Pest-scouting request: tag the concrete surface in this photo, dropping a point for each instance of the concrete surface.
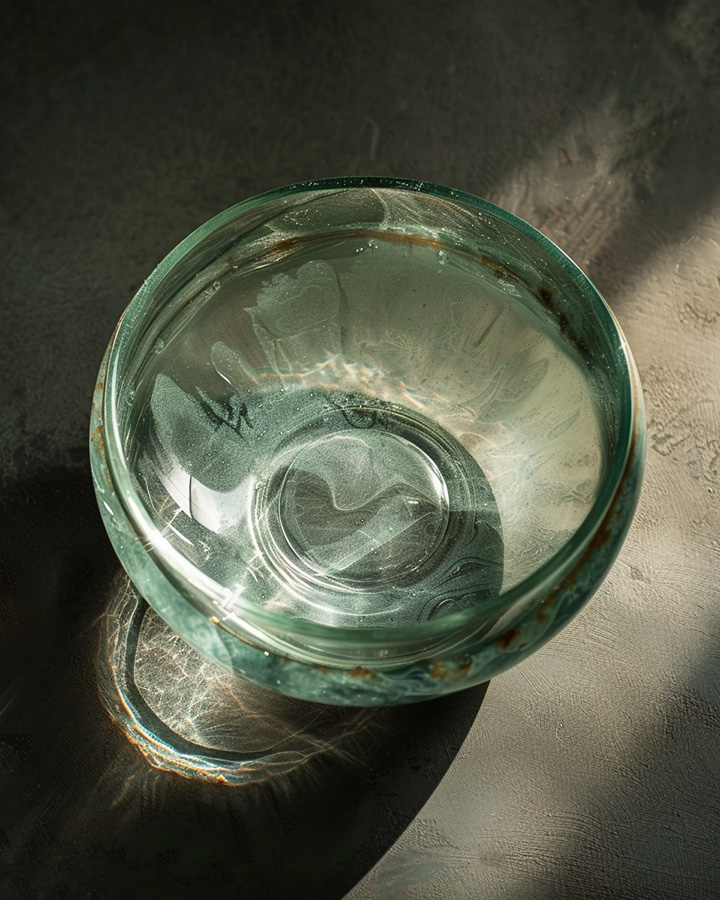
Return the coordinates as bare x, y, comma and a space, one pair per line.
592, 769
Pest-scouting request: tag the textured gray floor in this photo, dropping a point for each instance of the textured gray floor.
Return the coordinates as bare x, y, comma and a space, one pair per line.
592, 770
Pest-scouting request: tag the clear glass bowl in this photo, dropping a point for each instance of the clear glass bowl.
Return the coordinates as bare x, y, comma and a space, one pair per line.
367, 441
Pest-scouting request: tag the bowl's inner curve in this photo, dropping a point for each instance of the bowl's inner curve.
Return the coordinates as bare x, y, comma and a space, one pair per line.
367, 429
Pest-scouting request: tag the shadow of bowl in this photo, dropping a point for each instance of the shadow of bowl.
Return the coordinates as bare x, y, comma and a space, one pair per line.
298, 797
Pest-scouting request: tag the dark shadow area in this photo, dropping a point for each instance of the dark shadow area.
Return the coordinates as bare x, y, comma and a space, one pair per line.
85, 814
128, 125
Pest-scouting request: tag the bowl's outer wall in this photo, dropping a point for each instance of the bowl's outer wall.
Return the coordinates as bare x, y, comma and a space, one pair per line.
466, 664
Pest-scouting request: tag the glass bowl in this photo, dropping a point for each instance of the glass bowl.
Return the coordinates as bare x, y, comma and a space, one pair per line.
367, 441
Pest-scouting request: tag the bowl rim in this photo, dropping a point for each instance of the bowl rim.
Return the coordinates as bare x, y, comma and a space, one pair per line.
207, 594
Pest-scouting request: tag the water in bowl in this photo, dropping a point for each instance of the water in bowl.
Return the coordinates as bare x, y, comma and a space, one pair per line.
360, 430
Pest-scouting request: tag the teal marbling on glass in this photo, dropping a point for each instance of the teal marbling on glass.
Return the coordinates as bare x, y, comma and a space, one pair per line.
367, 441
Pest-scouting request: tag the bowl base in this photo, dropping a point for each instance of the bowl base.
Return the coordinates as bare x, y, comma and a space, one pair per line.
370, 513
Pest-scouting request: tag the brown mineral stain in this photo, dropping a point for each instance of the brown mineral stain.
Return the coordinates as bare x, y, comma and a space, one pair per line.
607, 527
500, 271
437, 670
545, 295
505, 640
98, 438
281, 249
360, 672
464, 667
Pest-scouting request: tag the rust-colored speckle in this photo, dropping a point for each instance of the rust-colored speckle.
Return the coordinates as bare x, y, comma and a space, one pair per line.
507, 639
282, 248
323, 670
545, 296
437, 670
98, 438
99, 386
360, 672
605, 530
500, 271
464, 667
541, 616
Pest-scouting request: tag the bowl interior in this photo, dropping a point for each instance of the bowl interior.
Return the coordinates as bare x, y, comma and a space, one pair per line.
365, 406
